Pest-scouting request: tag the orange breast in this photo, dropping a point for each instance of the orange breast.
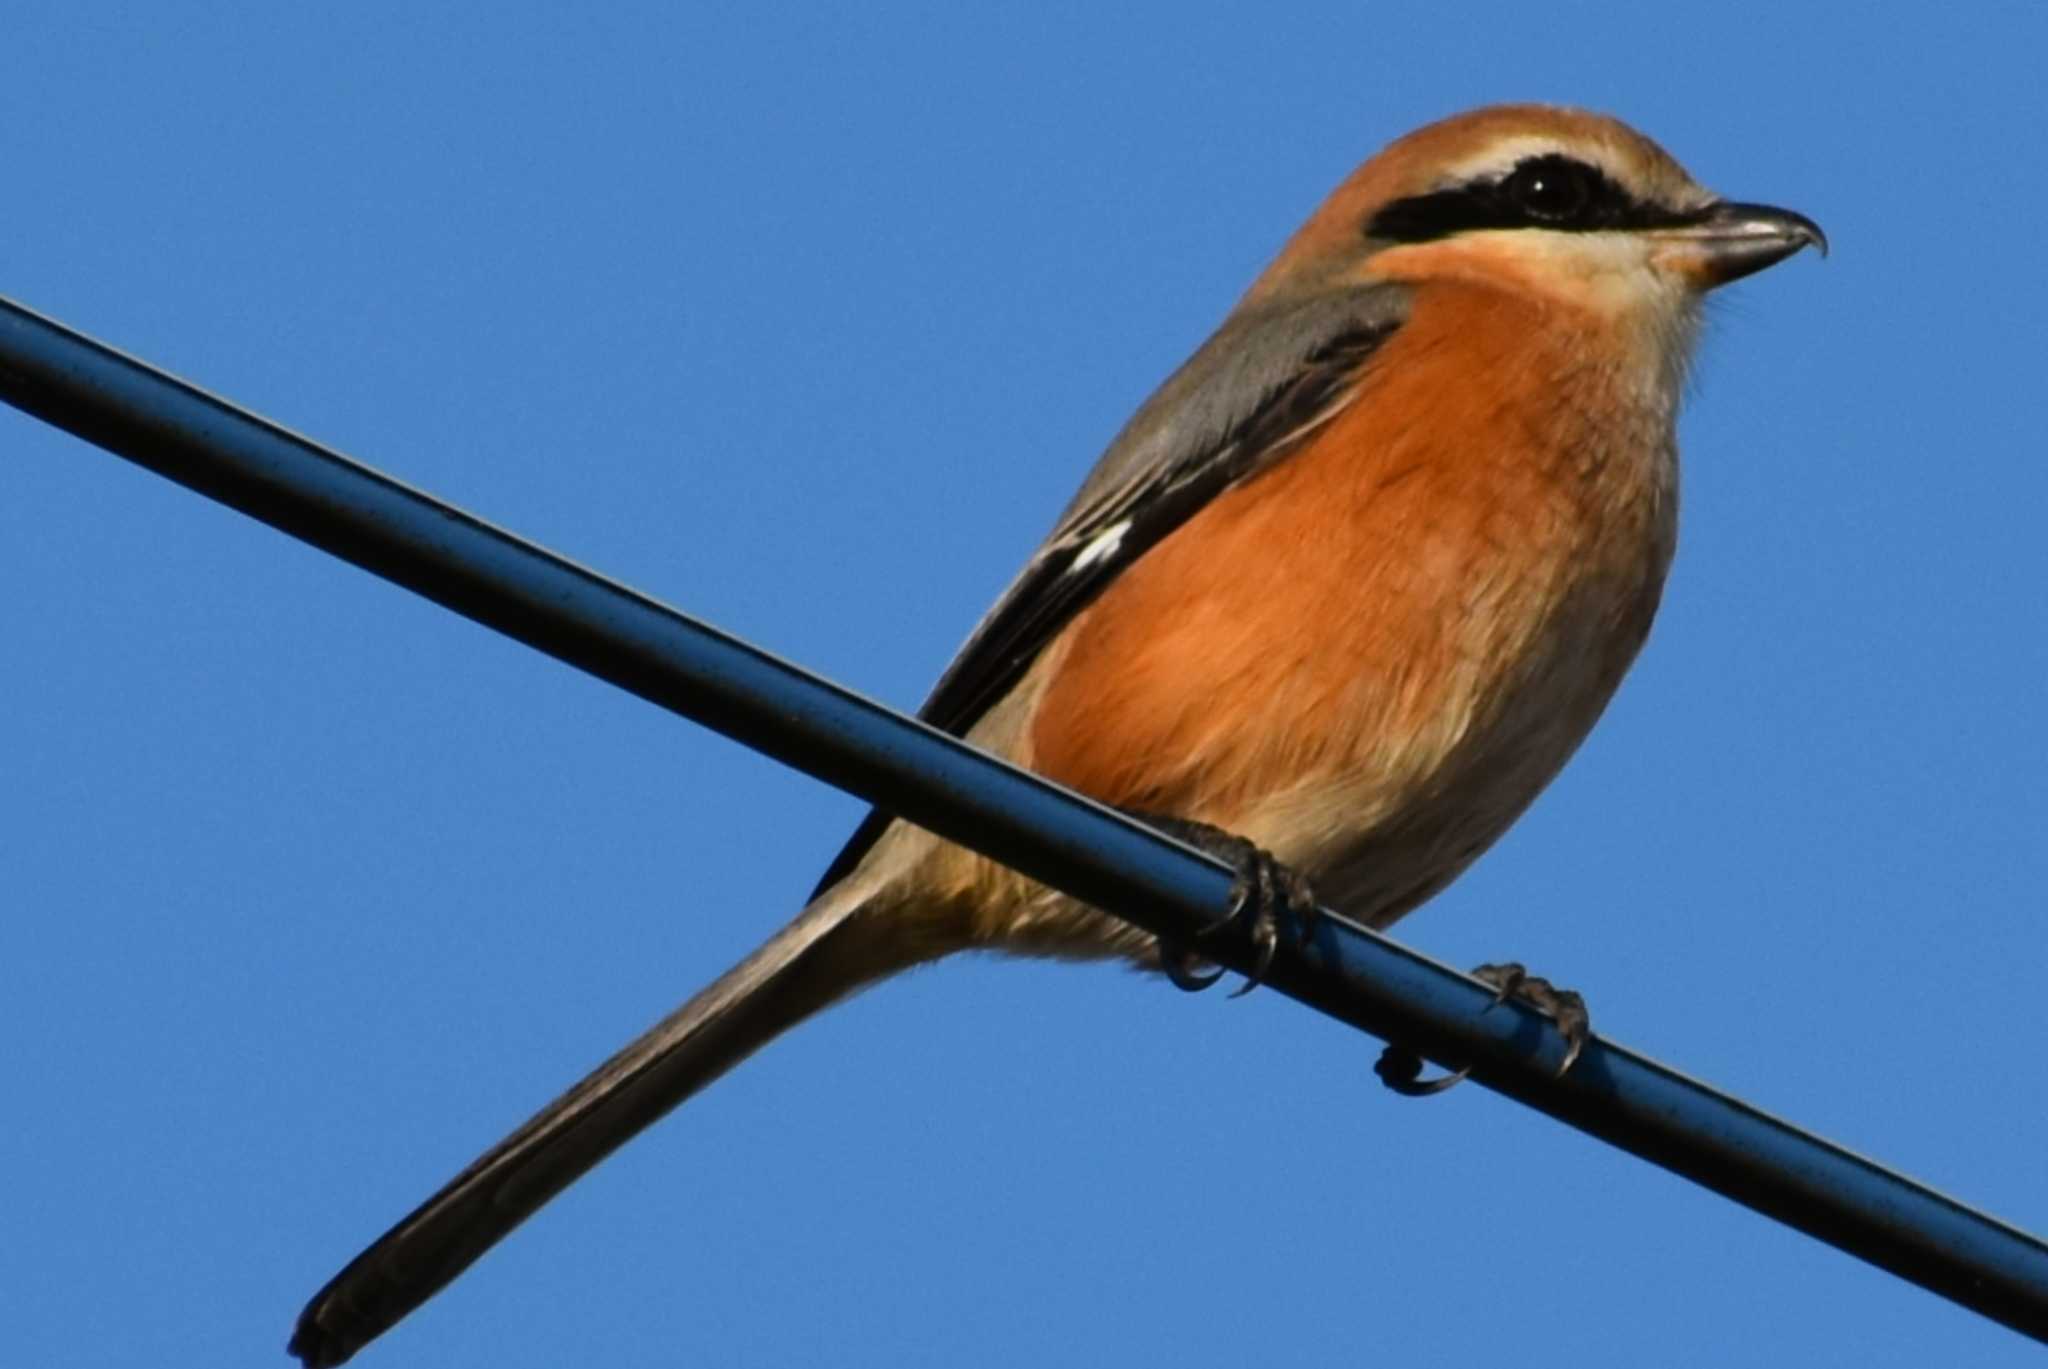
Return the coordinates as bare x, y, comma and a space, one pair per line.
1362, 613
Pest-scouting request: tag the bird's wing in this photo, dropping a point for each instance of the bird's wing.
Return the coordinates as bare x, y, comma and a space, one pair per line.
1268, 378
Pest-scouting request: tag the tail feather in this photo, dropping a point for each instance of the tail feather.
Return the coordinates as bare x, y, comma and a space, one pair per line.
821, 957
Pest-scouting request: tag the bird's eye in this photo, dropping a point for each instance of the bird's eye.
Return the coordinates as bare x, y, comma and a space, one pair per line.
1552, 189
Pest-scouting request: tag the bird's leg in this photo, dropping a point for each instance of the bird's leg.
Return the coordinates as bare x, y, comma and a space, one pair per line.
1400, 1068
1263, 891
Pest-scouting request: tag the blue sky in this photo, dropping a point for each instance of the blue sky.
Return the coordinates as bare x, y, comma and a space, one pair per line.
808, 324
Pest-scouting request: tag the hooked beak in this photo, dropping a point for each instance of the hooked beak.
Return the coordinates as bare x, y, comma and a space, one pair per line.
1727, 241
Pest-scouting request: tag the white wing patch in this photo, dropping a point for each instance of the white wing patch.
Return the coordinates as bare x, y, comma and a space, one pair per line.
1103, 546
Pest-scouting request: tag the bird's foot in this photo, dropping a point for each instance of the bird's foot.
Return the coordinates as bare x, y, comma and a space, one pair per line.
1400, 1068
1562, 1006
1264, 893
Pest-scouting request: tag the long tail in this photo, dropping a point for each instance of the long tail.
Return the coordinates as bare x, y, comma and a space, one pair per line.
821, 957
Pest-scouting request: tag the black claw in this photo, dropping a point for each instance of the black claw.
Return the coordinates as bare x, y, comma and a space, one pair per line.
1564, 1007
1574, 1043
1262, 888
1507, 979
1266, 936
1576, 1025
1400, 1069
1177, 963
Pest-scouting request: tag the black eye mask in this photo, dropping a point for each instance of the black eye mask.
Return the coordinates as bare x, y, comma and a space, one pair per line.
1551, 191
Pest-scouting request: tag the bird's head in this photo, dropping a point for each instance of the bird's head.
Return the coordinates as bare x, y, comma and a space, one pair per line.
1575, 207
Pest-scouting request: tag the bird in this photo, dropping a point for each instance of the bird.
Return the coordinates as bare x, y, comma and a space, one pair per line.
1339, 600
